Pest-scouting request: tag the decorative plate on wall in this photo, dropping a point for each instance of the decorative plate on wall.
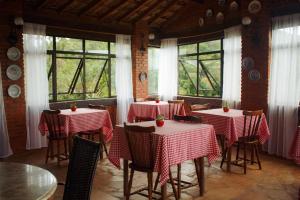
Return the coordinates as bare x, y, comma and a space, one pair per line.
13, 53
247, 63
254, 75
14, 91
209, 13
254, 6
143, 76
13, 72
234, 6
201, 21
219, 18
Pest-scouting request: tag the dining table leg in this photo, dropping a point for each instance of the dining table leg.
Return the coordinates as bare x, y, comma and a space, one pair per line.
164, 191
202, 177
125, 176
229, 159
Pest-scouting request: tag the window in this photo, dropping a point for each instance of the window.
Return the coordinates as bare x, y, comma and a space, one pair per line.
80, 69
200, 69
153, 70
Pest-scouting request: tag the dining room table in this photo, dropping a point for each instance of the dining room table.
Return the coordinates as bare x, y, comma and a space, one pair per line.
26, 182
176, 142
149, 109
295, 147
231, 125
83, 119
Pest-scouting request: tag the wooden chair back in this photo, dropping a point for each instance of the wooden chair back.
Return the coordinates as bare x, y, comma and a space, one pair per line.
81, 169
188, 118
175, 107
140, 143
140, 99
252, 121
99, 107
196, 107
54, 123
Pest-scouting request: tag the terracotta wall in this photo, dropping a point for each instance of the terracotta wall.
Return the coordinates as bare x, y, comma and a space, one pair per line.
15, 108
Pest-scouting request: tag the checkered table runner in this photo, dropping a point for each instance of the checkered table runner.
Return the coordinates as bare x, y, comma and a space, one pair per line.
83, 119
295, 148
149, 109
175, 143
231, 123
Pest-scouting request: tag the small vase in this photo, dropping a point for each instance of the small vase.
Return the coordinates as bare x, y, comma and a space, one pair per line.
73, 108
225, 109
160, 123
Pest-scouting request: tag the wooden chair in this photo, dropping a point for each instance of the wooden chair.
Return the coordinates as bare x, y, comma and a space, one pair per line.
175, 107
196, 107
181, 184
140, 99
56, 134
250, 139
143, 119
81, 169
92, 133
141, 148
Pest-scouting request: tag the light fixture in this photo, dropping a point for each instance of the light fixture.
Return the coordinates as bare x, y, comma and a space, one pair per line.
246, 21
151, 36
19, 21
17, 24
142, 48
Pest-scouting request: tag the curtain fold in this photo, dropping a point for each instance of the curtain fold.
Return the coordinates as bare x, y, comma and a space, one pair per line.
5, 149
168, 69
123, 76
232, 46
36, 81
284, 92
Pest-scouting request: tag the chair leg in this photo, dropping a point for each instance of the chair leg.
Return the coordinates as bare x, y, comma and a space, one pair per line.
150, 177
179, 180
58, 152
66, 148
224, 157
129, 184
245, 158
173, 185
237, 151
252, 154
257, 155
156, 182
47, 153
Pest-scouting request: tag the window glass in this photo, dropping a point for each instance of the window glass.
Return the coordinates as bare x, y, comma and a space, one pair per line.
68, 44
96, 47
188, 76
210, 46
187, 49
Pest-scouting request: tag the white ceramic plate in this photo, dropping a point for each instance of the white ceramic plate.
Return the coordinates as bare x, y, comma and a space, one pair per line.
14, 91
201, 21
254, 75
13, 72
254, 6
234, 6
219, 18
209, 13
13, 53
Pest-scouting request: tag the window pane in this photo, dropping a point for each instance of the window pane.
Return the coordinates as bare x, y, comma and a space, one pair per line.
96, 47
153, 70
188, 76
212, 56
210, 78
214, 45
97, 86
50, 72
113, 77
67, 73
49, 40
68, 44
187, 49
113, 48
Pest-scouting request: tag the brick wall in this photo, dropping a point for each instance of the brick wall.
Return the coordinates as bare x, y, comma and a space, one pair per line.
15, 108
139, 59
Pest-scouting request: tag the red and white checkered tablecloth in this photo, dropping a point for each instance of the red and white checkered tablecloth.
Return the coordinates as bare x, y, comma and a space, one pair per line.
295, 148
231, 123
83, 119
175, 142
149, 109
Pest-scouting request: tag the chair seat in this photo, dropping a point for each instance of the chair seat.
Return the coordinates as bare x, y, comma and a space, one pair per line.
247, 140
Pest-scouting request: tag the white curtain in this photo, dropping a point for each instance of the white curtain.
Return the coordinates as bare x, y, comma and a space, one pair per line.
123, 76
36, 81
232, 67
168, 70
284, 83
5, 149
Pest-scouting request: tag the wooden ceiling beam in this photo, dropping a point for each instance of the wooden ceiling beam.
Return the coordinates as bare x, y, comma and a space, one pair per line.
156, 4
131, 12
90, 6
178, 13
111, 9
162, 12
41, 4
65, 6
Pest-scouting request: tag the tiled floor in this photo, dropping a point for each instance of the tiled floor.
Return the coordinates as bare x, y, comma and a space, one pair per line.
279, 179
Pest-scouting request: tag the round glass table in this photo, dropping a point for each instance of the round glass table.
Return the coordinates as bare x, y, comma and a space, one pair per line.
22, 181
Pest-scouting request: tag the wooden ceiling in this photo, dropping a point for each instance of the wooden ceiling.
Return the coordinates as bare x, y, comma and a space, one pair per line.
109, 15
